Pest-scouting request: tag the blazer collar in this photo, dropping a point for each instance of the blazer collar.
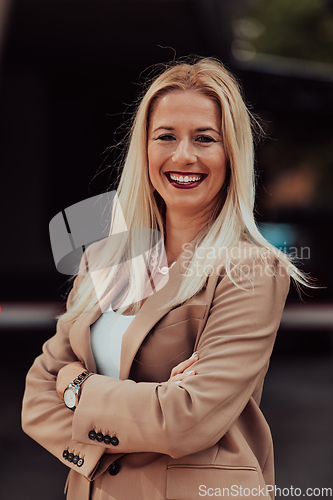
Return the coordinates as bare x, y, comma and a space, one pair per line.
149, 314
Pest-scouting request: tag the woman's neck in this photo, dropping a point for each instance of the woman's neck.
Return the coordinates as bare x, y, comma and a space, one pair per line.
181, 230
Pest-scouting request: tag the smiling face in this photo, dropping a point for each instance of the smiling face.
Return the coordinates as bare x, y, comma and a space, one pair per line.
186, 158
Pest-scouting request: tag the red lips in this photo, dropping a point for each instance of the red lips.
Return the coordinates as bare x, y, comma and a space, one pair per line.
185, 186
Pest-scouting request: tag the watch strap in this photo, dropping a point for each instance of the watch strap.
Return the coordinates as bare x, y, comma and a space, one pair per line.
81, 378
75, 386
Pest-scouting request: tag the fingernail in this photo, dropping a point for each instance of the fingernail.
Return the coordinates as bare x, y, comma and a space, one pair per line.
192, 372
178, 382
194, 354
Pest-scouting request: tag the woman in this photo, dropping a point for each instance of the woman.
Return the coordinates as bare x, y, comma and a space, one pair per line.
181, 417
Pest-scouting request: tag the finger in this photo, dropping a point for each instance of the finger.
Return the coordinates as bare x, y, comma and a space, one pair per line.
179, 378
184, 364
183, 376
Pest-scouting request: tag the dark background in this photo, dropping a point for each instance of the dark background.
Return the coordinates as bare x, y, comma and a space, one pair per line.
69, 73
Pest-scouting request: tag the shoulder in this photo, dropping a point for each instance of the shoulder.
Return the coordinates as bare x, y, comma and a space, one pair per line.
249, 263
92, 255
245, 253
89, 257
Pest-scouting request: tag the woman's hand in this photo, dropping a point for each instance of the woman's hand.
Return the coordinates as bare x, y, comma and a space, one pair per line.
181, 371
66, 375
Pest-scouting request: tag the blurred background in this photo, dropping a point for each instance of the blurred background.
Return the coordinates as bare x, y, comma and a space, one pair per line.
69, 73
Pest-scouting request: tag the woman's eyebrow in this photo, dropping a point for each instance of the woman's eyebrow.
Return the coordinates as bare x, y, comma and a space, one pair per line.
163, 128
204, 129
200, 129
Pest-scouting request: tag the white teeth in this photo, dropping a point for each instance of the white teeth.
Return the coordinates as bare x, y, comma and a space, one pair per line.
185, 180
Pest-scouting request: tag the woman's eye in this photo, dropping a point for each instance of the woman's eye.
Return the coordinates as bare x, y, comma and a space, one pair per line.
205, 138
165, 137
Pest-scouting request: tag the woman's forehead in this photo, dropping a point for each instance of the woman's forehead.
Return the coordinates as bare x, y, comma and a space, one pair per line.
184, 105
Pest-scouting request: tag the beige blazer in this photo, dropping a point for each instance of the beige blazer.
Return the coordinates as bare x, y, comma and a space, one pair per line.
135, 438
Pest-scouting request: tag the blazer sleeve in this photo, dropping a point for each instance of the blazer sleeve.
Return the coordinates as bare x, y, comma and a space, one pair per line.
233, 350
45, 418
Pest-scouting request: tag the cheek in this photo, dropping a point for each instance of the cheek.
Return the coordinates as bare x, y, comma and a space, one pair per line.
219, 166
152, 165
154, 161
150, 158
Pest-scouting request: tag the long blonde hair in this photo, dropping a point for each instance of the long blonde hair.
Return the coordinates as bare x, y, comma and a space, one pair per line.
232, 218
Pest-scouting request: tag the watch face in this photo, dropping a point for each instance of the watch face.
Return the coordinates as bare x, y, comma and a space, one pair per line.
70, 398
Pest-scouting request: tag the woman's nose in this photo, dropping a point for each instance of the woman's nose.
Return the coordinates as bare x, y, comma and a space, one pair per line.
184, 153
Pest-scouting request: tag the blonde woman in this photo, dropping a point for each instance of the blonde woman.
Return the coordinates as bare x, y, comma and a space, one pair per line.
162, 401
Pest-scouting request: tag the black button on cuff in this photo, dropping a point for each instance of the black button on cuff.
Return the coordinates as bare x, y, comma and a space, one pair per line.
114, 441
73, 458
99, 437
107, 439
92, 435
114, 469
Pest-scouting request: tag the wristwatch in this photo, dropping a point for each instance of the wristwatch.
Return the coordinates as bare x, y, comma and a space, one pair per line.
72, 391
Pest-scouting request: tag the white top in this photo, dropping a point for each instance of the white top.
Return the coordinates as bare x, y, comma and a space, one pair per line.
106, 336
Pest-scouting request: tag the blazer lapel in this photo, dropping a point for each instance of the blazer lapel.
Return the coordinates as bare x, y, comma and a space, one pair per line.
149, 314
